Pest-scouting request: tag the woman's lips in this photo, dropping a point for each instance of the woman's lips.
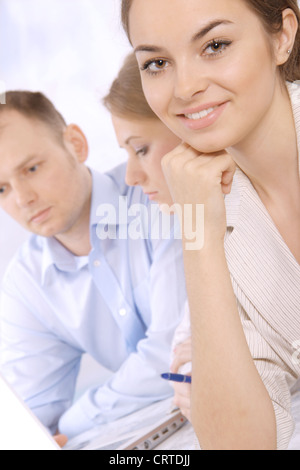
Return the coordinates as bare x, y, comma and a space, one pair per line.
152, 196
202, 117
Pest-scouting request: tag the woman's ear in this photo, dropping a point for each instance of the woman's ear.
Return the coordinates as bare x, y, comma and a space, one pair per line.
76, 142
285, 39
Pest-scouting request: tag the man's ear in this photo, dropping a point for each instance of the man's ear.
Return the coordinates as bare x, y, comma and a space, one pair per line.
76, 142
285, 39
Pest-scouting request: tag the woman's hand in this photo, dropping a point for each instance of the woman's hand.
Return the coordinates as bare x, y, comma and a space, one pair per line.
182, 391
182, 355
194, 178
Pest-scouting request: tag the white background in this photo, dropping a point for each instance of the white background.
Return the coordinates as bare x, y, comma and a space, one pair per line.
71, 50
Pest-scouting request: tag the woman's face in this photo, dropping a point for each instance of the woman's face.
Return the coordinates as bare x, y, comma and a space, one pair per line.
146, 142
207, 68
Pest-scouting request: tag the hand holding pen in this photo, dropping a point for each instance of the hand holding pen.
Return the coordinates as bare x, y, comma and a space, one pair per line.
177, 377
182, 397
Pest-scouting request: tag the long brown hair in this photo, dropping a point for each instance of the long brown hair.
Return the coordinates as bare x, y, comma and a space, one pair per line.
270, 13
126, 97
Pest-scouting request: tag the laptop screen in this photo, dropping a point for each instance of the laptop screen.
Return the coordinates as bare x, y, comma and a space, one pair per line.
19, 428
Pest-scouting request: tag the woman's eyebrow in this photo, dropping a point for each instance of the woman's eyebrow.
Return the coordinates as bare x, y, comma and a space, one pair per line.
132, 137
199, 35
147, 48
209, 27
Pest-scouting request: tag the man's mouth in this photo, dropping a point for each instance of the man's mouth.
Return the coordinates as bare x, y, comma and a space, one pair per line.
40, 217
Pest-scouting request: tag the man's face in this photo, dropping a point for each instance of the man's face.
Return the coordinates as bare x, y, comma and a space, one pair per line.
41, 183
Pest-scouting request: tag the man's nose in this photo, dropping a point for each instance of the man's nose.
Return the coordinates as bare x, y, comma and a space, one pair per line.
24, 194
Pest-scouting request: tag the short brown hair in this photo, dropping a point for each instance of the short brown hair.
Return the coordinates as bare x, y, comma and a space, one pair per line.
35, 105
270, 13
126, 97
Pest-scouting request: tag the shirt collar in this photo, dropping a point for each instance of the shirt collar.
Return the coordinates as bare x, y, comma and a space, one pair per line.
294, 91
106, 190
232, 201
241, 182
56, 255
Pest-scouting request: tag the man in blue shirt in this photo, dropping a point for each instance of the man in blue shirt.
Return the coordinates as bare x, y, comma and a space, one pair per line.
93, 278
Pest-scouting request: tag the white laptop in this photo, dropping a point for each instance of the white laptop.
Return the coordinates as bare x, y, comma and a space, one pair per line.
19, 428
143, 430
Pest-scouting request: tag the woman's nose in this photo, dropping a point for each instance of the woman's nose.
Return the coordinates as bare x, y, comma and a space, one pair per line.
190, 80
135, 174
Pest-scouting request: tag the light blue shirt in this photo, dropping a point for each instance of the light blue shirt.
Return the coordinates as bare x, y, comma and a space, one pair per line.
121, 304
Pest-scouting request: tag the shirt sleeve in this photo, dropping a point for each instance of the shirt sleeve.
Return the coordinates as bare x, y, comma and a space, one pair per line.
138, 381
41, 368
183, 333
276, 375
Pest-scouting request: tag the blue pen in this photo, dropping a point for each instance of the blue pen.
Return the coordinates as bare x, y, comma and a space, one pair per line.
177, 377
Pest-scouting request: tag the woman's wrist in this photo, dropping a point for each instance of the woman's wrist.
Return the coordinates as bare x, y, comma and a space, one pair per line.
205, 245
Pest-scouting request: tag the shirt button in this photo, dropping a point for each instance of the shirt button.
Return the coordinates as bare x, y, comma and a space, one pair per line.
122, 312
97, 263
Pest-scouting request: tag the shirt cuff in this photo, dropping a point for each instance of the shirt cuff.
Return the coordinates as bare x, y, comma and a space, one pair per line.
75, 421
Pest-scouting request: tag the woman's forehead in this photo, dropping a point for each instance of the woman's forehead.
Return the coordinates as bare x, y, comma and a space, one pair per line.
159, 20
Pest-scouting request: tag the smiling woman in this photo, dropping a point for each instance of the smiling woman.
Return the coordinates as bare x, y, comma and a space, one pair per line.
218, 43
271, 17
224, 86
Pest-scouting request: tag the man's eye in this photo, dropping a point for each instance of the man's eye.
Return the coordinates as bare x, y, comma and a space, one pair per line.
33, 169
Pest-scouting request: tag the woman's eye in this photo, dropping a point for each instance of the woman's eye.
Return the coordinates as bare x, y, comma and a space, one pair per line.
2, 190
216, 47
155, 66
142, 151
